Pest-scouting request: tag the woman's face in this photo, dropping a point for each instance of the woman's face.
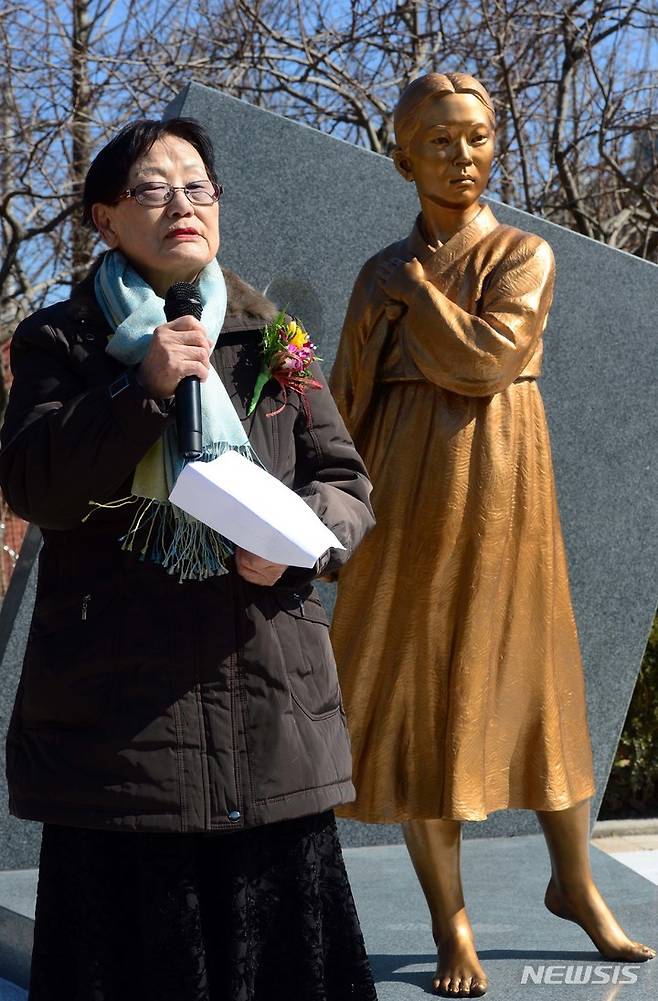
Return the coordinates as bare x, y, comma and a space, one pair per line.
167, 243
450, 154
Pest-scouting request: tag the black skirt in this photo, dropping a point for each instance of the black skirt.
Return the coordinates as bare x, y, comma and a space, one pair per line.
247, 916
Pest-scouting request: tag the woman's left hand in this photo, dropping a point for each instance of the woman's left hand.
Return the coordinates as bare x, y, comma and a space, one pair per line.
400, 279
257, 570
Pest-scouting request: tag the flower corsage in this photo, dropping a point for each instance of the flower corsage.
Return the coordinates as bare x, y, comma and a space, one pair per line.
287, 357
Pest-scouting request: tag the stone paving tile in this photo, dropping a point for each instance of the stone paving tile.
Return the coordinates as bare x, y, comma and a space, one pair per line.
643, 862
18, 891
615, 844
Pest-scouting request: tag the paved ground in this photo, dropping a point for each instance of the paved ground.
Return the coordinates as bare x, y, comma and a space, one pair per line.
638, 851
521, 945
504, 878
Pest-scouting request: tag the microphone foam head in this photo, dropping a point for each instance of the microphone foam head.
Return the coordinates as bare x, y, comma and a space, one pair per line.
183, 299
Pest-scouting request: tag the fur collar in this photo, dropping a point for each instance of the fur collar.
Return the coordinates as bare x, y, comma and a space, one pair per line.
246, 308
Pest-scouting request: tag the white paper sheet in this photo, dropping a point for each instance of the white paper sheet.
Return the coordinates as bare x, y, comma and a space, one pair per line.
253, 509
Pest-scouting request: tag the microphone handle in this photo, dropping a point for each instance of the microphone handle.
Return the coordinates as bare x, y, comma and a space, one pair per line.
188, 417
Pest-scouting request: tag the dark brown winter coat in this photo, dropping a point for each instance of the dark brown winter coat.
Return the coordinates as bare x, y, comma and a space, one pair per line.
145, 703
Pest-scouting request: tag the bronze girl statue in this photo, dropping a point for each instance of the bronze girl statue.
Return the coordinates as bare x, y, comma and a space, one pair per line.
454, 632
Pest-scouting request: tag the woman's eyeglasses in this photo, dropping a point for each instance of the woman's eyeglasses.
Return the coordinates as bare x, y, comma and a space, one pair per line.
157, 193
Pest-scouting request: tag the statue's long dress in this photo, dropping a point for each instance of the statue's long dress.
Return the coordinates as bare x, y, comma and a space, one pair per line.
453, 630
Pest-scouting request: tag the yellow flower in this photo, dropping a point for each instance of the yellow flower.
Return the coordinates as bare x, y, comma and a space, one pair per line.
296, 334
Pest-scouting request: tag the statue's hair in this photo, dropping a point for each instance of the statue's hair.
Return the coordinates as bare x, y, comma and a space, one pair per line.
430, 87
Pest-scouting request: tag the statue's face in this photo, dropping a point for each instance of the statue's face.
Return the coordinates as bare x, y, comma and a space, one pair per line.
450, 154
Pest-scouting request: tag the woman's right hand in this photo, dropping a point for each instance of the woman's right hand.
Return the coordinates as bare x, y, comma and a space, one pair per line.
177, 349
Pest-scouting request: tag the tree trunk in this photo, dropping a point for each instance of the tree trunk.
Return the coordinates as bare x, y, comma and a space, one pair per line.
81, 238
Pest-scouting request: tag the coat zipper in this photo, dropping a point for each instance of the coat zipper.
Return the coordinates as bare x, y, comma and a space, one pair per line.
85, 606
300, 602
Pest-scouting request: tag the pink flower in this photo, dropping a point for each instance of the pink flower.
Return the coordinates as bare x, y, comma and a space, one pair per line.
292, 363
306, 354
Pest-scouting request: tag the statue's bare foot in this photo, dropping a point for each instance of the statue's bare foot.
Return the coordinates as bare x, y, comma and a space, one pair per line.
588, 909
459, 973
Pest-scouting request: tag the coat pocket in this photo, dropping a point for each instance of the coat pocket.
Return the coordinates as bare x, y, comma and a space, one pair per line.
69, 670
302, 629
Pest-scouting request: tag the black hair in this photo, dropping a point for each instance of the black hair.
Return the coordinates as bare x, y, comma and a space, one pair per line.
107, 176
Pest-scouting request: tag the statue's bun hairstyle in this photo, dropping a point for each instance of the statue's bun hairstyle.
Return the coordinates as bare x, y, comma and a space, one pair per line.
430, 87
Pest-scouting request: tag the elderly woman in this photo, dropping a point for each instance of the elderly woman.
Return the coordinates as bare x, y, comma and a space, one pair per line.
453, 630
178, 726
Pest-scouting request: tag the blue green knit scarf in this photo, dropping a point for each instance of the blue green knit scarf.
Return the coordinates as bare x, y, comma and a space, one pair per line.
168, 535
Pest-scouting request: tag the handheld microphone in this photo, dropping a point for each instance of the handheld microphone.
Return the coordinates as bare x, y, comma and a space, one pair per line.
184, 299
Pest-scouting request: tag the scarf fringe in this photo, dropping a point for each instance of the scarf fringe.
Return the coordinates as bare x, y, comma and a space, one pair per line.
182, 545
